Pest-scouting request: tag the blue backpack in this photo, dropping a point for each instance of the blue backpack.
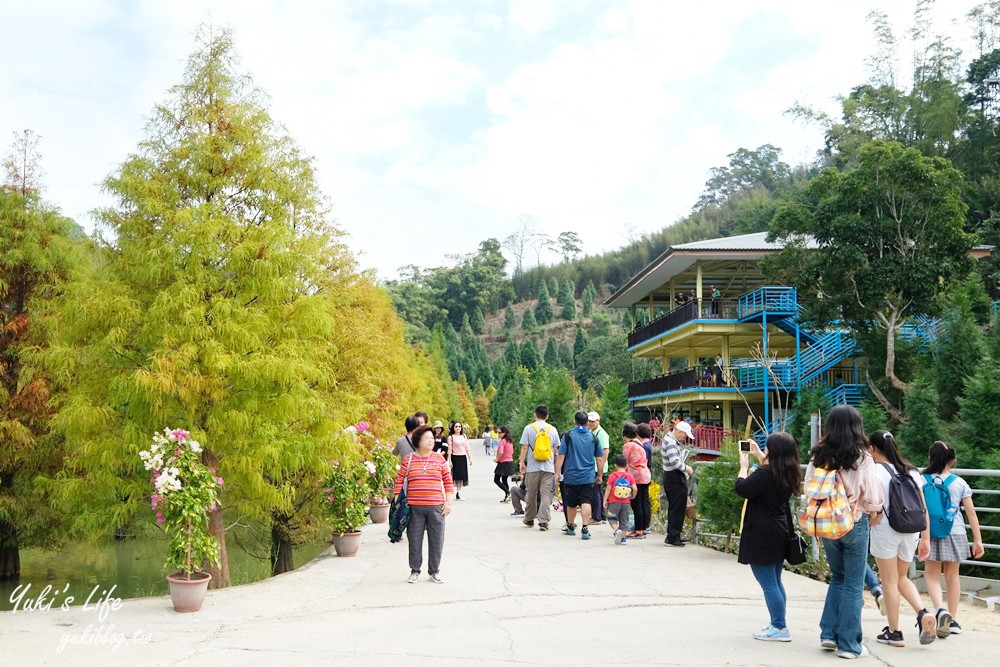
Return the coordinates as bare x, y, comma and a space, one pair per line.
940, 509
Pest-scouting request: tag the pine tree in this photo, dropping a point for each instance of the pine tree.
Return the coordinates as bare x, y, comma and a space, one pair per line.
589, 294
37, 258
529, 323
509, 320
978, 417
228, 306
615, 411
543, 309
529, 355
565, 355
958, 352
579, 344
551, 357
922, 426
512, 355
567, 299
553, 284
478, 322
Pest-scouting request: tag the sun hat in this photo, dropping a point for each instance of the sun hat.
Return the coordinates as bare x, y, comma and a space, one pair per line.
437, 424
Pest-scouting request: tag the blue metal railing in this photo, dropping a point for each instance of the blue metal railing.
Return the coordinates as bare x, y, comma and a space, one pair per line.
767, 299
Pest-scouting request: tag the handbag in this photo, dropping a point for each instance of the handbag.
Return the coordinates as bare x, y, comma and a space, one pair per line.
795, 548
399, 509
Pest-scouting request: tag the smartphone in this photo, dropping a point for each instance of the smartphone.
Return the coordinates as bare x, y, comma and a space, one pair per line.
745, 445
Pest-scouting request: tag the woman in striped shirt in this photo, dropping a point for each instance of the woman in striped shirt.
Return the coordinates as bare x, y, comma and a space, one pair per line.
429, 489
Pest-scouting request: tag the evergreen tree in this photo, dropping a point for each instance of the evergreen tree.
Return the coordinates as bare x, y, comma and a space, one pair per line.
922, 426
509, 319
565, 355
579, 344
958, 352
478, 322
512, 355
529, 355
553, 285
567, 299
979, 416
529, 323
543, 309
615, 411
551, 357
556, 389
589, 293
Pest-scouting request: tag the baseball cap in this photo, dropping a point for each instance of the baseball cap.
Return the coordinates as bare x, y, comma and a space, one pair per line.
593, 416
685, 428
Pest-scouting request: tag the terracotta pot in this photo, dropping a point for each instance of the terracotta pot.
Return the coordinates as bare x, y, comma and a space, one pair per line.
188, 594
347, 544
379, 513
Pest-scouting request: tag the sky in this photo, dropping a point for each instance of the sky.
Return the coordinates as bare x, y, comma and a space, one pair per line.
436, 124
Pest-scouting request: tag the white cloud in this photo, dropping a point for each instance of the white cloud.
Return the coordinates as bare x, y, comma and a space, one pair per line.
436, 125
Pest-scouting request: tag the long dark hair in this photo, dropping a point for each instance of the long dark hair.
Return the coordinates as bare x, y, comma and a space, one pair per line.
884, 442
451, 428
783, 459
844, 443
505, 434
940, 457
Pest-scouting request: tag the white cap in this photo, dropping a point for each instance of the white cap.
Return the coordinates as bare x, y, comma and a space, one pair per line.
685, 428
593, 416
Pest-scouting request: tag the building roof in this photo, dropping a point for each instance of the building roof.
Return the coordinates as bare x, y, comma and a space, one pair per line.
728, 256
724, 259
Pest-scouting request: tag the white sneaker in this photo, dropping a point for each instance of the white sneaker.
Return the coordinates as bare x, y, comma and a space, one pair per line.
847, 655
436, 579
616, 536
413, 577
828, 645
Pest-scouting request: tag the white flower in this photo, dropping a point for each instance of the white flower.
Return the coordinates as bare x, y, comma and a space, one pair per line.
371, 467
195, 446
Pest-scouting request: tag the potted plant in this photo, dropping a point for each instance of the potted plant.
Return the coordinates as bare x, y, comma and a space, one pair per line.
347, 492
382, 467
185, 490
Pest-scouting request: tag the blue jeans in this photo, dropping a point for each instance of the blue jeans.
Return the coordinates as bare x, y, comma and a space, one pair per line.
871, 580
848, 559
769, 578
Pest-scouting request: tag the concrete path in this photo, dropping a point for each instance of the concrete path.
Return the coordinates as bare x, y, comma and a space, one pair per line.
512, 595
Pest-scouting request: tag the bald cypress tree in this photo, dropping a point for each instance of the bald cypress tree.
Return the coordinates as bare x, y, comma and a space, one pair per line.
226, 305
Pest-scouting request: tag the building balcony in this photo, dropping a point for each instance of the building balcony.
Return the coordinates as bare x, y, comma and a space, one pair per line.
709, 310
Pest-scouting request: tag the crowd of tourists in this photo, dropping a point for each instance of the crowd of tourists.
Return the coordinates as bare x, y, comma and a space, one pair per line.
859, 496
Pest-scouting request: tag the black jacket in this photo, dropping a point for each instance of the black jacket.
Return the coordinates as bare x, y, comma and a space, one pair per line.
765, 526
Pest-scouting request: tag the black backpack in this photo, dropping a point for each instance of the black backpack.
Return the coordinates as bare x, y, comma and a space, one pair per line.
906, 503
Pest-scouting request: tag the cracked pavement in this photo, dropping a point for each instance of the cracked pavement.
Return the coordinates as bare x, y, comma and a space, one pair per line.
512, 595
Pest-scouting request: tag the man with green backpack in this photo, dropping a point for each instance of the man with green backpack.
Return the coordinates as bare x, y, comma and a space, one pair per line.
538, 442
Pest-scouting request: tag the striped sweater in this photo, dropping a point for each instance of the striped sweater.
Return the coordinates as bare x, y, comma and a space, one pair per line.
428, 480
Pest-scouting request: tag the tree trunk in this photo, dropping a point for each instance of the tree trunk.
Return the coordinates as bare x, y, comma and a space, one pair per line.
889, 407
220, 574
10, 555
281, 550
891, 326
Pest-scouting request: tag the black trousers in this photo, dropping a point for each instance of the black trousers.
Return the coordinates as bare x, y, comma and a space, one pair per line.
642, 508
675, 489
597, 504
501, 481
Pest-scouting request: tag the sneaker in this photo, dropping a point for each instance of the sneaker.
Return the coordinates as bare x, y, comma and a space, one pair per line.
828, 645
773, 634
879, 601
436, 579
956, 629
458, 496
569, 529
623, 542
890, 637
616, 536
543, 527
529, 524
516, 513
944, 622
847, 655
413, 577
677, 543
927, 625
585, 534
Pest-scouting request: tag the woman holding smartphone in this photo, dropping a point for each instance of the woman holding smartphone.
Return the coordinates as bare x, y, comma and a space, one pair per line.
766, 522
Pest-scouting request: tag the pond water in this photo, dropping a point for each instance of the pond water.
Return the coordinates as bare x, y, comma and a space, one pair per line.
134, 567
